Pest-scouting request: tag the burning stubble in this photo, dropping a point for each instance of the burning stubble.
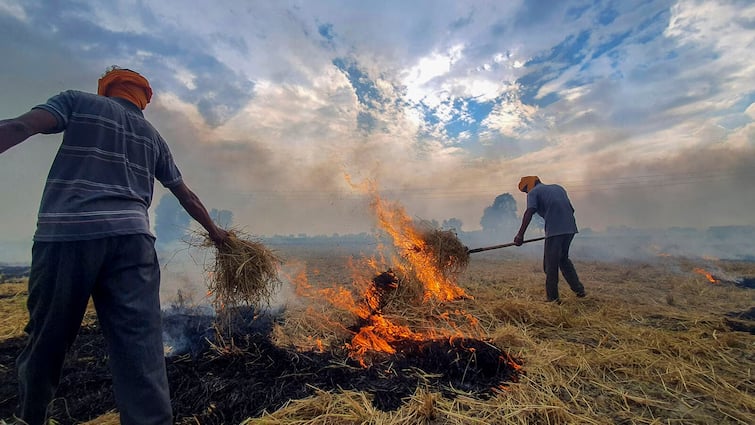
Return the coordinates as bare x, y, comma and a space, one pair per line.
404, 294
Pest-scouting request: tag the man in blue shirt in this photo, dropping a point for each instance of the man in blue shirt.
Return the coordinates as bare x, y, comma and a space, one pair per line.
93, 239
552, 203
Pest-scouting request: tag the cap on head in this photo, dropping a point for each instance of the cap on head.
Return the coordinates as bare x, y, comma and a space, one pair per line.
528, 182
125, 83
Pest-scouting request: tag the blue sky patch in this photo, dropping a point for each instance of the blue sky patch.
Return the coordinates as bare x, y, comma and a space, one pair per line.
326, 30
468, 116
615, 41
607, 16
547, 67
366, 121
653, 27
365, 89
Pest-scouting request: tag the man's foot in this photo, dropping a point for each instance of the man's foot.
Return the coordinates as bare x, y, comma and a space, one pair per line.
581, 294
554, 301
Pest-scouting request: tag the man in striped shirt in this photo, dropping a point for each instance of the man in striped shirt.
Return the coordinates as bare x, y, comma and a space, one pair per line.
93, 239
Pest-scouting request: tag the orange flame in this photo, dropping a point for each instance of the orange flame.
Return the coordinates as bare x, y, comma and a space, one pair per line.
377, 333
707, 275
407, 238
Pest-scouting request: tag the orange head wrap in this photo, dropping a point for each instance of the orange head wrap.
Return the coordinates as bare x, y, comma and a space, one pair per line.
127, 84
527, 183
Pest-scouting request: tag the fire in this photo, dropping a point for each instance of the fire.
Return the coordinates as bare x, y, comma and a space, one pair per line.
373, 288
707, 275
407, 239
378, 336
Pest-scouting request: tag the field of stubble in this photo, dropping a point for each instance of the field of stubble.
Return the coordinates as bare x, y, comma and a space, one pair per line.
653, 343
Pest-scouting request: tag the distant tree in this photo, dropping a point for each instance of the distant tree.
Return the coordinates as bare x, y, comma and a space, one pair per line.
171, 220
453, 224
501, 216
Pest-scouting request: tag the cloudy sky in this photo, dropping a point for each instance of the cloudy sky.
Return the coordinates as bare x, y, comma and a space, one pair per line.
643, 110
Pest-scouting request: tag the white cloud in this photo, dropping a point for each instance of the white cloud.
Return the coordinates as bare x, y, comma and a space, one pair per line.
14, 8
298, 119
750, 111
723, 30
119, 16
659, 95
187, 78
710, 23
511, 116
435, 65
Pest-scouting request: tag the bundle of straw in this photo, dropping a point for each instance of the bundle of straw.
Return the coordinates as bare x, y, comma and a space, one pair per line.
445, 248
245, 272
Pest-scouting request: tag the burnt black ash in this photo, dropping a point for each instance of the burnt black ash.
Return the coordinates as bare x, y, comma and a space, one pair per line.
233, 382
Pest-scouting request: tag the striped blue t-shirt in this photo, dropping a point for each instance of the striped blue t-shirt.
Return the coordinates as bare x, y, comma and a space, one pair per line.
102, 179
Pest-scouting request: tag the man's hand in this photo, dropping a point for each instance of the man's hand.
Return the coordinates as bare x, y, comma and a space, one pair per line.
191, 203
526, 218
219, 236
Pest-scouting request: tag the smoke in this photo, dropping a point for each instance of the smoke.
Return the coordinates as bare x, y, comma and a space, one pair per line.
171, 222
183, 265
698, 188
619, 244
295, 184
222, 218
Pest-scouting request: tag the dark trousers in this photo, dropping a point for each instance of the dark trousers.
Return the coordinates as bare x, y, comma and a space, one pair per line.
555, 257
122, 276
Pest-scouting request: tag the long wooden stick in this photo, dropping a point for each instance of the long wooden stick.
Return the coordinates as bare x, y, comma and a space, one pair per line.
488, 248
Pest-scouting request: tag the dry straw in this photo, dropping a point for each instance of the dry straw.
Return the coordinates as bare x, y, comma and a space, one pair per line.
244, 272
450, 256
622, 355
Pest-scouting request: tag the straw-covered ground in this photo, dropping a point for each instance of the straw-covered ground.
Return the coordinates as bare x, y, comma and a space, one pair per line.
653, 343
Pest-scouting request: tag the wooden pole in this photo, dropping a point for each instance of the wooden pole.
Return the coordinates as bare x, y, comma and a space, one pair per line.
488, 248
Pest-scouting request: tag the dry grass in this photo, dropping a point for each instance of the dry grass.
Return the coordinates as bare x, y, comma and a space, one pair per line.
107, 419
649, 345
449, 254
244, 272
13, 309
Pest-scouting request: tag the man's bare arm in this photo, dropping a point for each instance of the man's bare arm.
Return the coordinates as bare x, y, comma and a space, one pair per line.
15, 130
191, 203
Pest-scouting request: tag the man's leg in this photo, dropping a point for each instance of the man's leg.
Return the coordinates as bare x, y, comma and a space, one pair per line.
551, 254
128, 307
567, 268
61, 277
